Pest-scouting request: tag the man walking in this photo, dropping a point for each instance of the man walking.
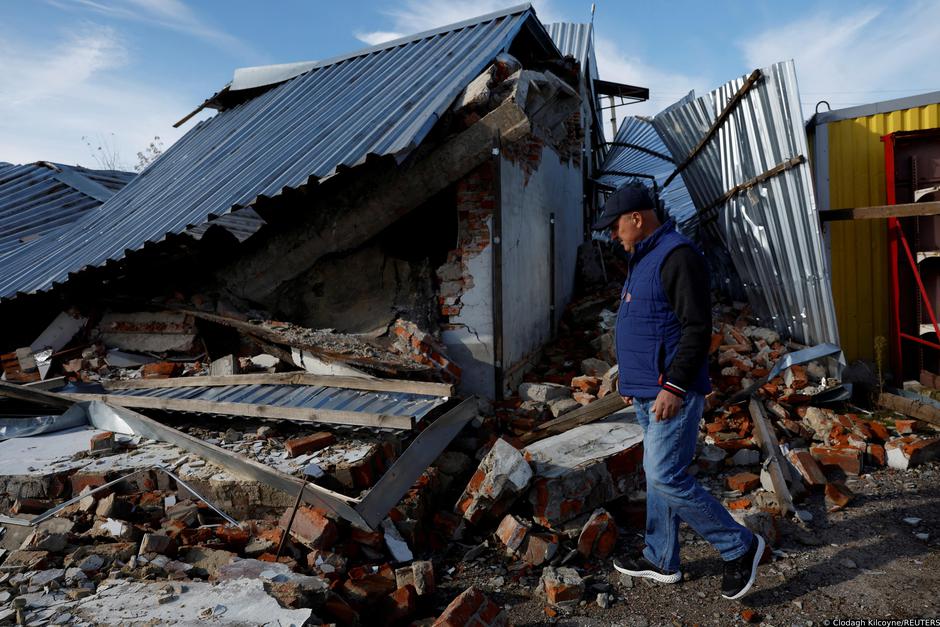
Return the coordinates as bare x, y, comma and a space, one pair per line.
663, 333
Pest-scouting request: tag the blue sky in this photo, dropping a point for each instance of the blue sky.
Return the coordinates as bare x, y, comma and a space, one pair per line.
122, 71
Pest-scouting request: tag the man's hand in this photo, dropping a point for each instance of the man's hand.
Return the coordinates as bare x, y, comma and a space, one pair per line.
627, 400
667, 405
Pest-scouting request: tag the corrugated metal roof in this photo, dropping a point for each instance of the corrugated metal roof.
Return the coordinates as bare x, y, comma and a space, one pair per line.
576, 40
637, 149
38, 198
305, 396
771, 230
379, 102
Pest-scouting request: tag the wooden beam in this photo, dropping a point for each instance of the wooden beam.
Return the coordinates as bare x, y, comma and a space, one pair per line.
771, 446
910, 407
300, 414
239, 465
601, 408
32, 394
288, 378
907, 210
369, 209
244, 467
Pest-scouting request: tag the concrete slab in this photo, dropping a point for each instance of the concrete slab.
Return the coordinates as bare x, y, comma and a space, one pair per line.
581, 469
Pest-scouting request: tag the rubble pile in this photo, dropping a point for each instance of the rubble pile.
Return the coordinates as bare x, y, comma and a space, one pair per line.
537, 495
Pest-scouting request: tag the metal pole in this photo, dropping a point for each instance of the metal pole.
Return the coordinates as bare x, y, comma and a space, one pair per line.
497, 270
290, 522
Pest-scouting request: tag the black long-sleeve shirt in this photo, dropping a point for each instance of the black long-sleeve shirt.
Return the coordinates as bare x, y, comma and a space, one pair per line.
684, 275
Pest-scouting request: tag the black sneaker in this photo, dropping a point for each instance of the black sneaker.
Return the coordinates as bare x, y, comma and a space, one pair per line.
740, 574
639, 566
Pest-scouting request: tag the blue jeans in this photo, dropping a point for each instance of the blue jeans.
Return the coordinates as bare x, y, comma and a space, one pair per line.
672, 494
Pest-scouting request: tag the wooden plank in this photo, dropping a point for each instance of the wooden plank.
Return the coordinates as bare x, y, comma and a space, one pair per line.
301, 414
409, 466
906, 210
339, 504
770, 445
32, 394
289, 378
601, 408
921, 410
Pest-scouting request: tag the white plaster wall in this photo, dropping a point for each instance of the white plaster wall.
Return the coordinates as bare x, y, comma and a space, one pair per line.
470, 345
555, 187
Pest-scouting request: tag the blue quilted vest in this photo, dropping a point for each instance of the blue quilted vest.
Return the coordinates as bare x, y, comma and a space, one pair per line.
648, 330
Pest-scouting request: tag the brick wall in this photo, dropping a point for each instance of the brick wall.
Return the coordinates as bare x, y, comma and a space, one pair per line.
476, 199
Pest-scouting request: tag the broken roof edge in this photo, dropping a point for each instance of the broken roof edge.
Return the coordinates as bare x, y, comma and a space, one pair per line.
252, 77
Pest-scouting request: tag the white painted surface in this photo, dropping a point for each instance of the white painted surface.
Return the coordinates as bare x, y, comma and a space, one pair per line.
555, 187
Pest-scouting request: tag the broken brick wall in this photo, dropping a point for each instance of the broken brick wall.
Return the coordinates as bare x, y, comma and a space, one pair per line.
466, 283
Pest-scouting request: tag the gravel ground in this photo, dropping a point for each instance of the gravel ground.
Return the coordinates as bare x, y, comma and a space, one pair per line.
862, 562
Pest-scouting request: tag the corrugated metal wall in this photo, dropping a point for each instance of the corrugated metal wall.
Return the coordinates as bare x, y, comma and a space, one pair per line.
859, 248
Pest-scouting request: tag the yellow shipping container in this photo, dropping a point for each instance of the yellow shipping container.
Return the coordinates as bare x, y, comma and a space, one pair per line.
849, 167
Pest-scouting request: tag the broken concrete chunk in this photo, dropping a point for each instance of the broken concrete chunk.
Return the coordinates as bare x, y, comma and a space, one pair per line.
396, 544
543, 392
561, 406
820, 421
155, 543
911, 450
500, 478
582, 469
594, 367
561, 585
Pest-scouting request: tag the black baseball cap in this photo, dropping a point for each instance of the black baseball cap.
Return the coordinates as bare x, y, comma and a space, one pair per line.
630, 197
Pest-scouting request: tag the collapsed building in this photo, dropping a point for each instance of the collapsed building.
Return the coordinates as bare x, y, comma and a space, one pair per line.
350, 337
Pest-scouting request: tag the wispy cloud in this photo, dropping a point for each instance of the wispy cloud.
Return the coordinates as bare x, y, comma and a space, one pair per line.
855, 57
666, 86
415, 16
171, 14
55, 96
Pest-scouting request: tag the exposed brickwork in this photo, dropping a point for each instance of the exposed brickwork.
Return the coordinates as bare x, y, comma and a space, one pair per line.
476, 199
425, 348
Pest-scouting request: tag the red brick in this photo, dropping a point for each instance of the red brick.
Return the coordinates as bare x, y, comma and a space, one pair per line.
879, 430
82, 479
905, 427
472, 608
598, 536
807, 466
743, 481
875, 455
512, 532
539, 548
401, 604
586, 383
159, 370
751, 616
742, 503
847, 458
838, 495
102, 442
312, 526
309, 444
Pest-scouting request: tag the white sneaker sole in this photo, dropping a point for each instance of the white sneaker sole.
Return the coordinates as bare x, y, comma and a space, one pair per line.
650, 574
750, 582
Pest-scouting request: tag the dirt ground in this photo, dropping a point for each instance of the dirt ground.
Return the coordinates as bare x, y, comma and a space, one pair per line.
862, 562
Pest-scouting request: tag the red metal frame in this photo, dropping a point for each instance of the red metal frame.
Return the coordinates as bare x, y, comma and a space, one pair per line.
896, 241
